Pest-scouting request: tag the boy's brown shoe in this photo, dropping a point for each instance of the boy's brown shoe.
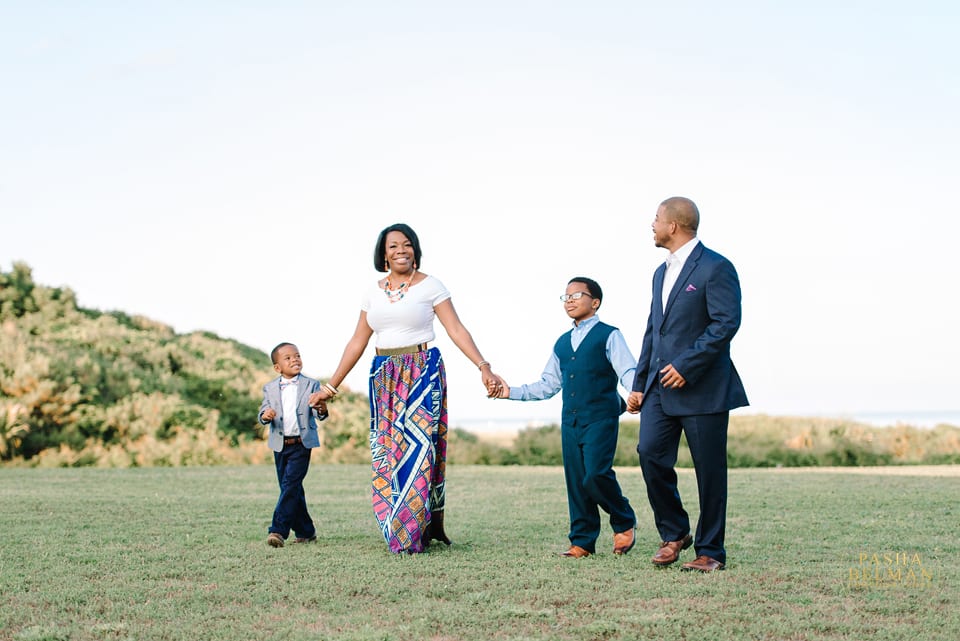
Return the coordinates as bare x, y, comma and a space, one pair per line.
274, 540
576, 552
623, 541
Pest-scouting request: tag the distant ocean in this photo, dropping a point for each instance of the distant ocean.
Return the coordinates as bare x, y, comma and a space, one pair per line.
920, 419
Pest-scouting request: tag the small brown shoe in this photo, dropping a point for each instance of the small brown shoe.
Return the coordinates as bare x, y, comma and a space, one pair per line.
303, 539
274, 540
669, 551
703, 564
576, 552
623, 541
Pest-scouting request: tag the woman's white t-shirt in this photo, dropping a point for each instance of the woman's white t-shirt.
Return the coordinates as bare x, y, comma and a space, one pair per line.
408, 321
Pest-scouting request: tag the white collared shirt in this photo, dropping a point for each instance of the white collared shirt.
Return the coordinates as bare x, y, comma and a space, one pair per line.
288, 397
675, 262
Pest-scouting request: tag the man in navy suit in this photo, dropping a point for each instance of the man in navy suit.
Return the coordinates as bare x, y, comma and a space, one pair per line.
686, 383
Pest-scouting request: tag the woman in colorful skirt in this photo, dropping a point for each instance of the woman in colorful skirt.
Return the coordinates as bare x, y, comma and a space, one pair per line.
408, 390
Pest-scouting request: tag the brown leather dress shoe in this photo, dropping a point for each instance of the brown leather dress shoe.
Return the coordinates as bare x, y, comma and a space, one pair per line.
303, 539
623, 541
703, 564
576, 552
274, 540
669, 551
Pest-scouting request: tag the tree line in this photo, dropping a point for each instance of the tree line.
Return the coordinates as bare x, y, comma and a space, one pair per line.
86, 387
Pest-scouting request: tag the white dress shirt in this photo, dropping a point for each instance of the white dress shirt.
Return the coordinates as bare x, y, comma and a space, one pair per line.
288, 396
675, 262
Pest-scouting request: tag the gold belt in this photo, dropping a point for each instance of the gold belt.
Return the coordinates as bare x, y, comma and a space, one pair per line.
395, 351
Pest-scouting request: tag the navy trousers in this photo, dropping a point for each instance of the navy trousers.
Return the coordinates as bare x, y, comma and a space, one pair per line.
658, 444
588, 452
291, 510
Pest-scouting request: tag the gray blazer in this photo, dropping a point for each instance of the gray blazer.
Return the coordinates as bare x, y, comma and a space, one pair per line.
307, 417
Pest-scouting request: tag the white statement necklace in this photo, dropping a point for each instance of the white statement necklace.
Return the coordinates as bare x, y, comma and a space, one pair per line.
394, 295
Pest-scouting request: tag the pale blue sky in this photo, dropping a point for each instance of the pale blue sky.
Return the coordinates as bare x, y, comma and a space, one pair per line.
227, 166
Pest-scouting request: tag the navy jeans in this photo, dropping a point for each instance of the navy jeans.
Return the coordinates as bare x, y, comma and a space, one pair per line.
291, 510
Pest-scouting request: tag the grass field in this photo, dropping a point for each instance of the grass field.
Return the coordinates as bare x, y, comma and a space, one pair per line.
180, 553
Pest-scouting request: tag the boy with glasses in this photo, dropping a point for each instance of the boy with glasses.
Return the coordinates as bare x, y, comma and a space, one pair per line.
586, 364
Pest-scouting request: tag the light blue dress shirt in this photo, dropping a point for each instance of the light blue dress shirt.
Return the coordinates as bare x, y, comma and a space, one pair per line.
619, 355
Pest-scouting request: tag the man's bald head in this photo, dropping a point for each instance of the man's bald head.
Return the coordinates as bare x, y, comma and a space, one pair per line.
682, 211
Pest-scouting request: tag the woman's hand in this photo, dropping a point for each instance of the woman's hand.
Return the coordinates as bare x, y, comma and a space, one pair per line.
318, 399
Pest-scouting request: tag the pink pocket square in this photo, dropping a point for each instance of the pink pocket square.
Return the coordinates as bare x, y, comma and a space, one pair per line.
690, 288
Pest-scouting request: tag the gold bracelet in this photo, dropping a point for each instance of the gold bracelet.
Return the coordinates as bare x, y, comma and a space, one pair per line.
330, 388
482, 363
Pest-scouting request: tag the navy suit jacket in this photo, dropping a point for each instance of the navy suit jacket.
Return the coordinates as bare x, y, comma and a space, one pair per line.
693, 333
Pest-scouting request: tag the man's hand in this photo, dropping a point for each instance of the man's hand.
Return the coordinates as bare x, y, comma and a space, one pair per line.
669, 377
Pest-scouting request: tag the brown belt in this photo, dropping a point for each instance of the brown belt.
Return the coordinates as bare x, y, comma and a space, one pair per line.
395, 351
290, 440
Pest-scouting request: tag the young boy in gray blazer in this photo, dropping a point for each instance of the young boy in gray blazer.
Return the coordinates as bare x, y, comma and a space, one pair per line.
293, 433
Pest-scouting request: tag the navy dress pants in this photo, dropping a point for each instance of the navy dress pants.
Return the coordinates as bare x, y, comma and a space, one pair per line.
658, 444
291, 510
588, 451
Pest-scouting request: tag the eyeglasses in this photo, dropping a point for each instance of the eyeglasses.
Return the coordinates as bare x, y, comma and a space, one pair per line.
574, 296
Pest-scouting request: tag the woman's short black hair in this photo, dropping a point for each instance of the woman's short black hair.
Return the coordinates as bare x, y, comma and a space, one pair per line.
380, 251
593, 287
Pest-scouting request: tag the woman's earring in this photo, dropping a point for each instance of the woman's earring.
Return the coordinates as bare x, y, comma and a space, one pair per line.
386, 266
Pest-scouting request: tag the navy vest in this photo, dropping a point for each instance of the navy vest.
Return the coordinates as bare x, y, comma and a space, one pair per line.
588, 380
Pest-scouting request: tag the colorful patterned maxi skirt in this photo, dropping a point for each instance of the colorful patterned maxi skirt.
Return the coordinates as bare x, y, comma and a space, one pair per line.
408, 444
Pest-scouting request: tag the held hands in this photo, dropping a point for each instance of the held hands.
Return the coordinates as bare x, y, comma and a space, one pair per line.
493, 383
498, 388
633, 402
319, 399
